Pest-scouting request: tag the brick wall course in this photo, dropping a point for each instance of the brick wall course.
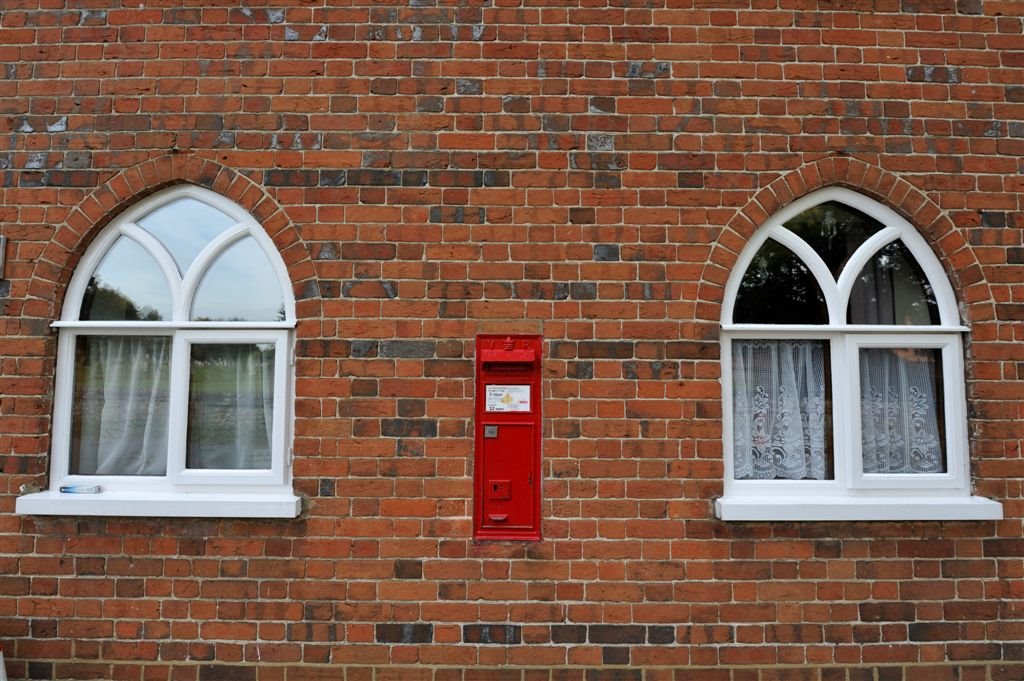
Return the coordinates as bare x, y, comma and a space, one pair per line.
589, 171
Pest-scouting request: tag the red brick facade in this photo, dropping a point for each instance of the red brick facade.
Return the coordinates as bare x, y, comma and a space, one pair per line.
589, 171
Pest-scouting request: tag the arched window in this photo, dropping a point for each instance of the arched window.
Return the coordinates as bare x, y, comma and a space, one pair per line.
174, 368
843, 372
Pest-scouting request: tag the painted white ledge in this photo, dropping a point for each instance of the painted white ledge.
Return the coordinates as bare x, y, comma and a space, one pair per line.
160, 505
857, 508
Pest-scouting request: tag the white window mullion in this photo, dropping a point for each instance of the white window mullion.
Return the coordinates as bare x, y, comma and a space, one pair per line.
178, 416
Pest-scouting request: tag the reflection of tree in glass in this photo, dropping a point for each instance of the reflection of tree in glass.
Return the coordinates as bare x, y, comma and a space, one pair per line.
779, 289
834, 231
230, 397
893, 289
102, 302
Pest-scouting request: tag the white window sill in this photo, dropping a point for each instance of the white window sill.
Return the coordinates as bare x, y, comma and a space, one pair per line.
857, 508
161, 504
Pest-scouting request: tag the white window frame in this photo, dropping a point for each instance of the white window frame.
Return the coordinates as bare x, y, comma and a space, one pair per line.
852, 494
181, 492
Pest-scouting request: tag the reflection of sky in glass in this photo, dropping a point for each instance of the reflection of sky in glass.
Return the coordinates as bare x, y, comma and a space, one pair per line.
127, 285
239, 286
185, 227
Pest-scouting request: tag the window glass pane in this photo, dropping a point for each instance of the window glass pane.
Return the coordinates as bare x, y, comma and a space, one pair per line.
185, 227
902, 413
782, 427
834, 231
119, 405
128, 285
239, 286
892, 289
230, 406
778, 288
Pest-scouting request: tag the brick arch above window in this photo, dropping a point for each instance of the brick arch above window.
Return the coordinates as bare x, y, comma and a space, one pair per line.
173, 372
945, 239
54, 267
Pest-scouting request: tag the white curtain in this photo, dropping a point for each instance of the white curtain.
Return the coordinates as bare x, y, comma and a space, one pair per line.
120, 423
900, 411
780, 428
231, 400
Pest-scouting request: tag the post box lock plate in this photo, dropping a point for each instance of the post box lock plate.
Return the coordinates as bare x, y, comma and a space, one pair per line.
490, 432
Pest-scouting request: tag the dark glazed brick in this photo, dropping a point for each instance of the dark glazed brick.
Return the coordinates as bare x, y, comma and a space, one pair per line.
661, 634
583, 290
326, 488
456, 178
369, 289
405, 633
992, 218
412, 408
614, 675
568, 633
373, 177
928, 6
889, 674
42, 671
291, 178
606, 252
580, 370
687, 180
497, 178
408, 349
605, 180
408, 428
501, 634
333, 178
605, 349
933, 74
469, 86
362, 349
582, 216
617, 633
889, 611
653, 69
408, 569
933, 631
70, 178
223, 672
430, 104
999, 548
615, 655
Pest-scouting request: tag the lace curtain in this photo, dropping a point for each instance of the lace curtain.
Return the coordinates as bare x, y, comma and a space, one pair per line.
780, 429
901, 411
120, 423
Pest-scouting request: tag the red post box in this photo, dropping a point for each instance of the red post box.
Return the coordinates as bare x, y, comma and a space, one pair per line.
506, 476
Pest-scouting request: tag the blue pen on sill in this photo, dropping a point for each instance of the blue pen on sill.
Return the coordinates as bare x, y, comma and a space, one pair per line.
80, 489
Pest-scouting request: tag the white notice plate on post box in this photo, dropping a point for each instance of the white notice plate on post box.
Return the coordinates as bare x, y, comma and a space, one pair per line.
508, 398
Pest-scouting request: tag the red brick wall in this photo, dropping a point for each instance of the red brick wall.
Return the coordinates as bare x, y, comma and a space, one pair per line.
586, 170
